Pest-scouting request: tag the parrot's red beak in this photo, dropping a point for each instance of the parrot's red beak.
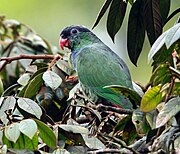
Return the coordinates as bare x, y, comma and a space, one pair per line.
64, 43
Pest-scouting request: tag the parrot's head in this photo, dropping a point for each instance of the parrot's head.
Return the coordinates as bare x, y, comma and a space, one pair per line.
72, 36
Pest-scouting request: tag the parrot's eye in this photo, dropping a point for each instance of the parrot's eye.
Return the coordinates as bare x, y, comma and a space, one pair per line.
74, 31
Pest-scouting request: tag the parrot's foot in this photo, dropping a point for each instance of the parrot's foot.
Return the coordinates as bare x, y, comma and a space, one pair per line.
72, 79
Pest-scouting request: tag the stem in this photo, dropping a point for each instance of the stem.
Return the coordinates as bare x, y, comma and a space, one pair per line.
26, 56
171, 88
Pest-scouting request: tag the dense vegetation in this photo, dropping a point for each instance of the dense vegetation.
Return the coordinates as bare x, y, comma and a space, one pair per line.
43, 108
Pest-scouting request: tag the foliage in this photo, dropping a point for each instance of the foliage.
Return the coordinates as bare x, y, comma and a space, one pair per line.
43, 108
148, 16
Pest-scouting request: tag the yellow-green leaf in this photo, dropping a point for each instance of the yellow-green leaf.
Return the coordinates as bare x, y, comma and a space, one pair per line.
151, 99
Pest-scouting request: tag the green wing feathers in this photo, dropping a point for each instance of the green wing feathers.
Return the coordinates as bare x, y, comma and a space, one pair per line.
98, 67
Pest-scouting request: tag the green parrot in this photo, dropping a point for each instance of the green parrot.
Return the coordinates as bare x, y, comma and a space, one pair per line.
96, 64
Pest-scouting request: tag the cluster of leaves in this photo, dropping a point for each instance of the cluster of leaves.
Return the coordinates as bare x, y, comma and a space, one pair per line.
148, 16
43, 110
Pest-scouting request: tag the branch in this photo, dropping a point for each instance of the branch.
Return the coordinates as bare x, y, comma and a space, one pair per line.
101, 107
8, 60
101, 151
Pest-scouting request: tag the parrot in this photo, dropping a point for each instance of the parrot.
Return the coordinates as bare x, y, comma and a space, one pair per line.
96, 64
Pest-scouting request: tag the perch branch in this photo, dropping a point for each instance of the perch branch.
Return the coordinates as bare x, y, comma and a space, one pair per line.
101, 151
8, 60
101, 107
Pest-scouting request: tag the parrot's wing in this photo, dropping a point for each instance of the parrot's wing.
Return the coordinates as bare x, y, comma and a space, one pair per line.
101, 68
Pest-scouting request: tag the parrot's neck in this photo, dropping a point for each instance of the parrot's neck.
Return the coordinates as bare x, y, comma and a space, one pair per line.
83, 40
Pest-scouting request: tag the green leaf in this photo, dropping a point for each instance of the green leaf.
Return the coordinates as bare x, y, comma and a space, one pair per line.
131, 94
131, 1
52, 80
42, 69
12, 132
173, 35
122, 123
30, 106
136, 31
151, 99
23, 142
46, 134
31, 144
158, 44
163, 55
102, 12
164, 9
28, 127
115, 17
129, 133
161, 75
1, 87
170, 109
74, 129
153, 20
39, 71
6, 141
139, 121
33, 86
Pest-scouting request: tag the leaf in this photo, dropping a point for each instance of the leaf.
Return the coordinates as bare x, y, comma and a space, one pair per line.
23, 80
153, 20
163, 55
28, 127
26, 143
102, 12
22, 143
46, 134
67, 134
30, 106
115, 17
12, 132
39, 71
164, 9
122, 123
52, 79
42, 69
131, 1
158, 44
151, 99
170, 109
161, 75
8, 104
172, 35
74, 90
139, 121
129, 133
93, 142
74, 129
33, 86
136, 31
64, 66
60, 151
1, 87
151, 118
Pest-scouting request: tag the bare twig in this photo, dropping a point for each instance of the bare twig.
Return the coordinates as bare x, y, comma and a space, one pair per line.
113, 109
8, 60
101, 151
